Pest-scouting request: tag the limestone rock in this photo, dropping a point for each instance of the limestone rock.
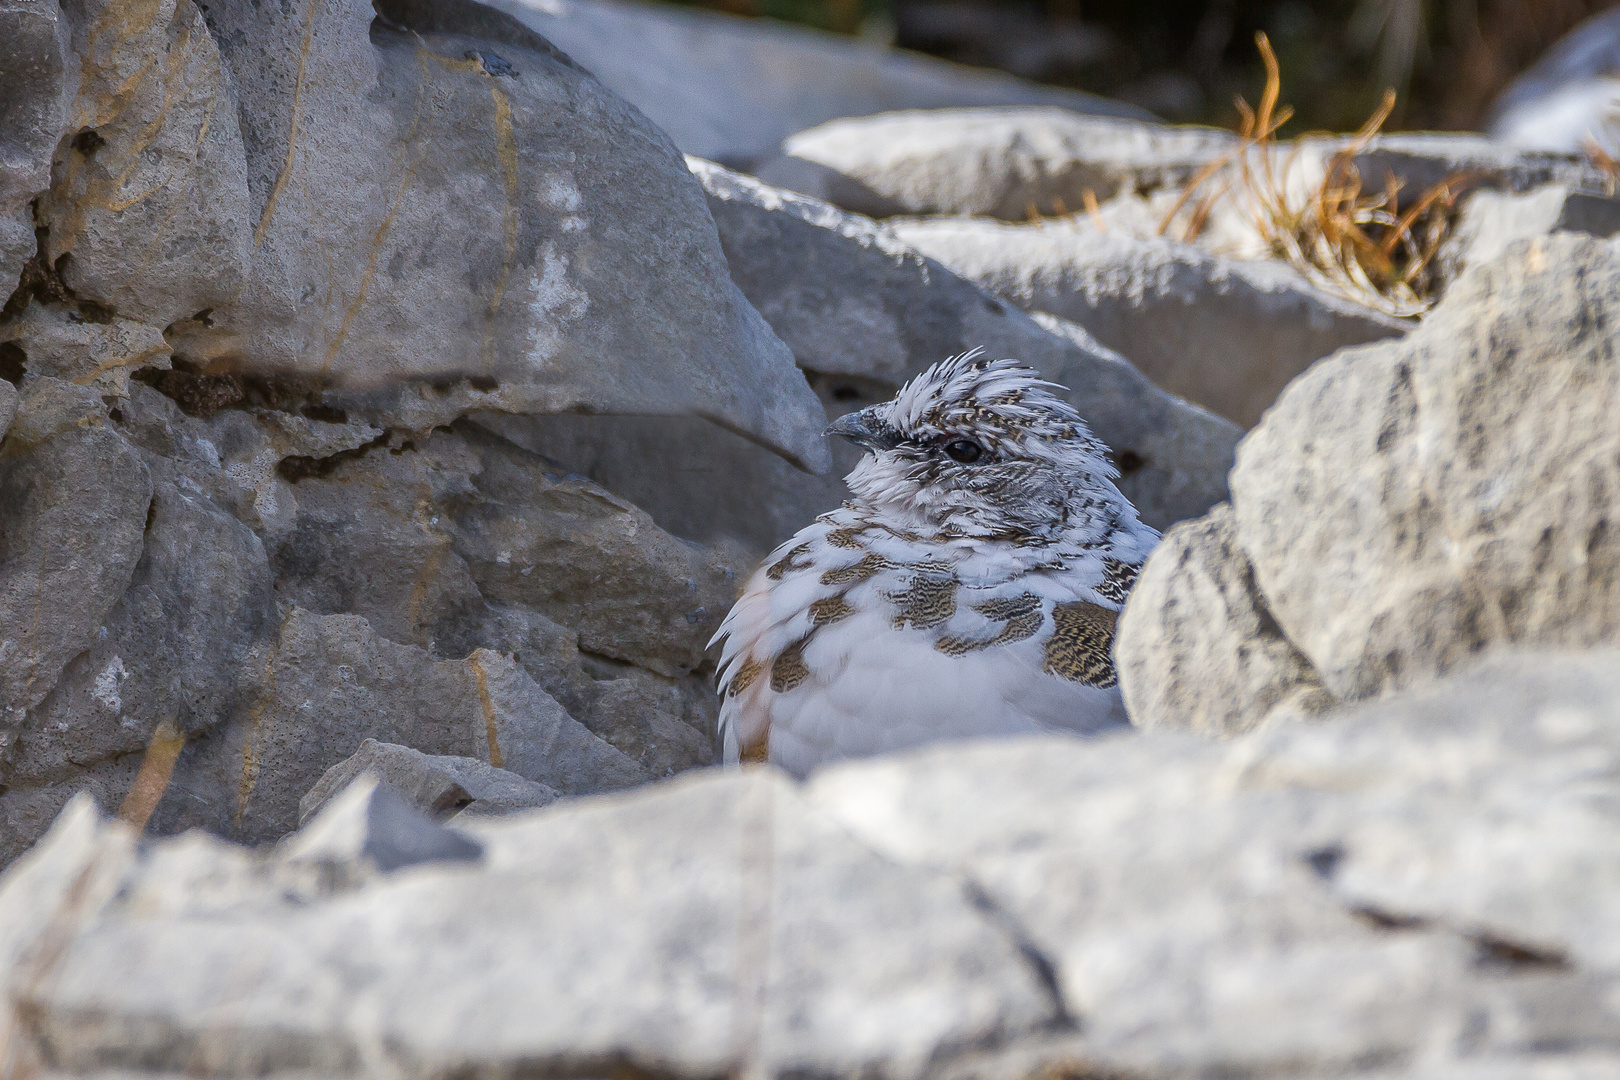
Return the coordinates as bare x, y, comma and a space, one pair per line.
37, 70
67, 552
577, 553
1419, 160
1406, 506
418, 540
186, 643
697, 481
1492, 220
1565, 97
420, 219
850, 299
989, 162
1227, 334
700, 925
367, 687
148, 211
59, 342
732, 89
441, 786
1427, 879
369, 828
1196, 649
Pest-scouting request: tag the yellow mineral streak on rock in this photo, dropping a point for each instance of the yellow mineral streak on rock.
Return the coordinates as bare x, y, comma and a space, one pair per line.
481, 680
292, 128
153, 780
386, 225
250, 753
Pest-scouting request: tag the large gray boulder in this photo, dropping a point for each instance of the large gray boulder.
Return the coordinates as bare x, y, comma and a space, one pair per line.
863, 313
1227, 334
991, 162
732, 89
265, 196
1407, 506
1420, 887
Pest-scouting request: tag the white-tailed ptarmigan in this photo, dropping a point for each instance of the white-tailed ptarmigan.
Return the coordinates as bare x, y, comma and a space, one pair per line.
968, 589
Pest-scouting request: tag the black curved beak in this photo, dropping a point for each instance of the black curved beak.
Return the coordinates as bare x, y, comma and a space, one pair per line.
867, 427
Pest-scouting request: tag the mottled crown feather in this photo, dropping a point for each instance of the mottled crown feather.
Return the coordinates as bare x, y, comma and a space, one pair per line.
1000, 402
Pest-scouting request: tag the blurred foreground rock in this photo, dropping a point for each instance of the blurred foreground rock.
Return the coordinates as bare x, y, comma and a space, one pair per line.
1422, 887
1405, 507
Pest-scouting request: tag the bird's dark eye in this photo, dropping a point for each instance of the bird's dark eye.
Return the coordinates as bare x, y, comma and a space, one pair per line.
965, 451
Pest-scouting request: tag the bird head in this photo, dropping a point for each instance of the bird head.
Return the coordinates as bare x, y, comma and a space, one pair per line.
976, 447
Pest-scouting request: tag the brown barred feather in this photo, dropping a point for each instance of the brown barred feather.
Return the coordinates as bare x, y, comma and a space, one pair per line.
747, 672
929, 602
1009, 607
1117, 580
830, 610
845, 538
1082, 644
758, 749
1020, 614
790, 561
871, 565
789, 670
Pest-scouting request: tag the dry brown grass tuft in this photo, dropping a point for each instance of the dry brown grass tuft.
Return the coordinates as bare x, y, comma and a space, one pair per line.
1357, 242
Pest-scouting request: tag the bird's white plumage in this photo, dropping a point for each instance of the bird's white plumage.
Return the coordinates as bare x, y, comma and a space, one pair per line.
946, 600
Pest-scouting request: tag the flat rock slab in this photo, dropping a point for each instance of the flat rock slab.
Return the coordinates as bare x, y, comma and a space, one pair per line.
1307, 898
1008, 163
440, 785
1227, 334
